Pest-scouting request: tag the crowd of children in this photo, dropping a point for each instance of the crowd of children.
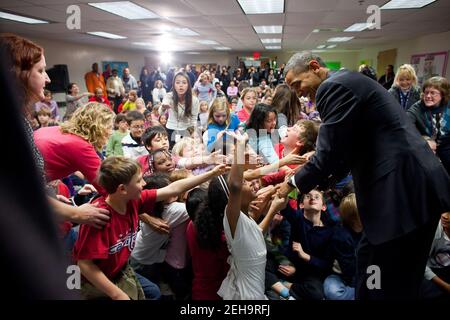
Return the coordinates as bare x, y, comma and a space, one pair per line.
190, 179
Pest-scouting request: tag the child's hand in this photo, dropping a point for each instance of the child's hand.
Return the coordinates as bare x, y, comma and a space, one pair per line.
284, 190
158, 224
87, 189
220, 135
278, 203
294, 159
216, 158
220, 170
286, 270
297, 247
308, 155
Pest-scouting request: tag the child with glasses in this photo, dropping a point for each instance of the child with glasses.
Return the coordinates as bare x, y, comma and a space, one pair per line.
132, 144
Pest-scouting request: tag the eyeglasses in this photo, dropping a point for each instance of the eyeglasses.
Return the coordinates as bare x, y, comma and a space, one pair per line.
138, 127
432, 93
312, 196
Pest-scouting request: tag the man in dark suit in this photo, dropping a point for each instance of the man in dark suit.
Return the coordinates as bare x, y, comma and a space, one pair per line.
401, 187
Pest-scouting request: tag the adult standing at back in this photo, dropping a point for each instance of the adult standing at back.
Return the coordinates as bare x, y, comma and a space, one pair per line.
116, 90
401, 187
94, 80
129, 81
405, 89
183, 108
387, 79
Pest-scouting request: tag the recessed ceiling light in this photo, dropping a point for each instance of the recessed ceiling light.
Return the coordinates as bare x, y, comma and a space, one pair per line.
358, 27
15, 17
316, 30
340, 39
262, 7
207, 42
268, 29
406, 4
222, 48
271, 40
125, 9
321, 46
106, 35
273, 47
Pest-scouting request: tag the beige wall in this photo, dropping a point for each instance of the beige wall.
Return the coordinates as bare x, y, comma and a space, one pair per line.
430, 43
80, 57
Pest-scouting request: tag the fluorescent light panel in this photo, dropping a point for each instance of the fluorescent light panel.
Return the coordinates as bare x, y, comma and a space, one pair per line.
184, 32
271, 40
406, 4
222, 48
15, 17
358, 27
340, 39
262, 7
125, 9
268, 29
273, 47
207, 42
106, 35
322, 46
331, 46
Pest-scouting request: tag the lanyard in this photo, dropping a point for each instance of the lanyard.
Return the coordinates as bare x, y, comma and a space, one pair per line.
404, 98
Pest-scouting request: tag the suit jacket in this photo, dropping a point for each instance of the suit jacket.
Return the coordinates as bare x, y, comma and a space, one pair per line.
399, 183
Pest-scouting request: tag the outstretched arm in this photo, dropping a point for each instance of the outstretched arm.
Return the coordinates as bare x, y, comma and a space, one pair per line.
180, 186
235, 185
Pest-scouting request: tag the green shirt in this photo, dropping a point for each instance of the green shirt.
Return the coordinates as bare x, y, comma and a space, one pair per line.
114, 146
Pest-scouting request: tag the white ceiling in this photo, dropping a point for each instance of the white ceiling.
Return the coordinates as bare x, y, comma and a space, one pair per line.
225, 22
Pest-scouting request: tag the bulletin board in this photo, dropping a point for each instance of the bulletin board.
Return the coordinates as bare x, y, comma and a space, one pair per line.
333, 65
119, 65
429, 65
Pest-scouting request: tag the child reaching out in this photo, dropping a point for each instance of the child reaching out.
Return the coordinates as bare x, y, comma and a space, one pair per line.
102, 254
245, 239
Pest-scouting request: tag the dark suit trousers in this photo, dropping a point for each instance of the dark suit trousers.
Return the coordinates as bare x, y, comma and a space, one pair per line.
401, 261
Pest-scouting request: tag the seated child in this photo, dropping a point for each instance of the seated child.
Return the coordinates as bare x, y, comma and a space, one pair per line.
130, 104
102, 254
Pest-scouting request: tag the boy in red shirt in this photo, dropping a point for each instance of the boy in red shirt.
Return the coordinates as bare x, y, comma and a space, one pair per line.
102, 254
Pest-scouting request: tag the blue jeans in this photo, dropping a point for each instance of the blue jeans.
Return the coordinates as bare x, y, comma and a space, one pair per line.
151, 290
335, 289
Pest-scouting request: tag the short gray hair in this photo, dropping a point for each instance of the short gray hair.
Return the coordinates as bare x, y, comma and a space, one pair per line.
299, 62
